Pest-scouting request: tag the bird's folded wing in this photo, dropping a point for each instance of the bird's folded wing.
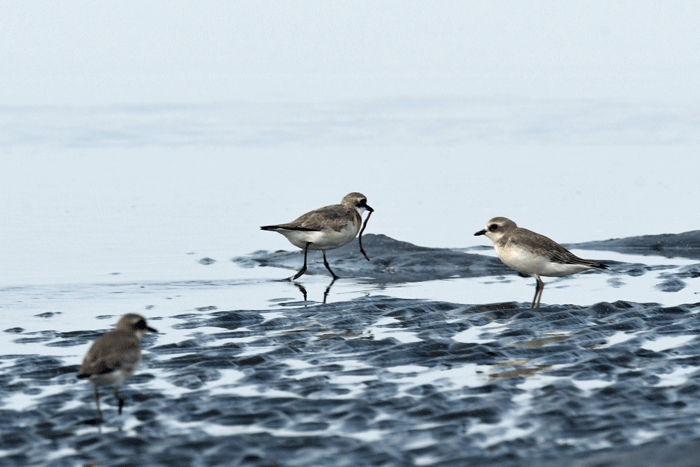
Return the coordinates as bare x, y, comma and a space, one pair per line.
334, 217
100, 361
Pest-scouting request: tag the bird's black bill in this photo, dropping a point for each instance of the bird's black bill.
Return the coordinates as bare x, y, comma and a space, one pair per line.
363, 204
480, 232
148, 328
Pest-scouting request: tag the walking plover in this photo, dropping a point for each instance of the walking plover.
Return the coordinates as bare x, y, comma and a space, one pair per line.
114, 356
532, 254
326, 228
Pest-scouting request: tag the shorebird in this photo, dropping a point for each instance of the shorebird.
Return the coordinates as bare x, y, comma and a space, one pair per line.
532, 254
326, 228
114, 356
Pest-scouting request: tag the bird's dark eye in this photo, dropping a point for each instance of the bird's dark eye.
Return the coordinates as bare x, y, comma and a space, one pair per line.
363, 202
493, 227
140, 324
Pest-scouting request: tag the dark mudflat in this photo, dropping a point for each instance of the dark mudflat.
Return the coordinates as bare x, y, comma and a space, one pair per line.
394, 261
355, 399
682, 245
376, 380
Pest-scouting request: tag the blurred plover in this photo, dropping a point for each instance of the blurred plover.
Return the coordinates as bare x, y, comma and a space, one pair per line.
532, 254
326, 228
114, 356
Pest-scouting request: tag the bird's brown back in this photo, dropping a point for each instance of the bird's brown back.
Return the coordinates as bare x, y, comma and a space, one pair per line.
112, 351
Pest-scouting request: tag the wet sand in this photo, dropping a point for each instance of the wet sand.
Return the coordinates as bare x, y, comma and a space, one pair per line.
410, 362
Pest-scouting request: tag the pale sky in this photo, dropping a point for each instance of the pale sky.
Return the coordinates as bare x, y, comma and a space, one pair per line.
125, 52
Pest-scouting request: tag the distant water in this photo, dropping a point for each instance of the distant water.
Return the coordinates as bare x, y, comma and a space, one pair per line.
92, 191
411, 121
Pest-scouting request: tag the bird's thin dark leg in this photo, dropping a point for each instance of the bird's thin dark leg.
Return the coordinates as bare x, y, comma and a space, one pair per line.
97, 402
541, 290
539, 287
303, 269
121, 401
325, 261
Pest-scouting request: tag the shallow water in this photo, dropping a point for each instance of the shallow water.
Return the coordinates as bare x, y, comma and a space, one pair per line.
420, 372
135, 173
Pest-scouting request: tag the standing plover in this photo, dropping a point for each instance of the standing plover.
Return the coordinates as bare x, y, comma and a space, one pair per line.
114, 356
326, 228
532, 254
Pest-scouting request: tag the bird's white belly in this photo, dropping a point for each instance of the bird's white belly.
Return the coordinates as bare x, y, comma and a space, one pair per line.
114, 377
321, 240
527, 262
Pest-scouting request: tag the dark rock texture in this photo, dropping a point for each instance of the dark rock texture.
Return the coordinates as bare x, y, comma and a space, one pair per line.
394, 261
682, 245
315, 386
391, 261
371, 381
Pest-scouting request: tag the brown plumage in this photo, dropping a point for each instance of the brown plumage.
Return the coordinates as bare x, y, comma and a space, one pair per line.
325, 228
114, 356
533, 254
